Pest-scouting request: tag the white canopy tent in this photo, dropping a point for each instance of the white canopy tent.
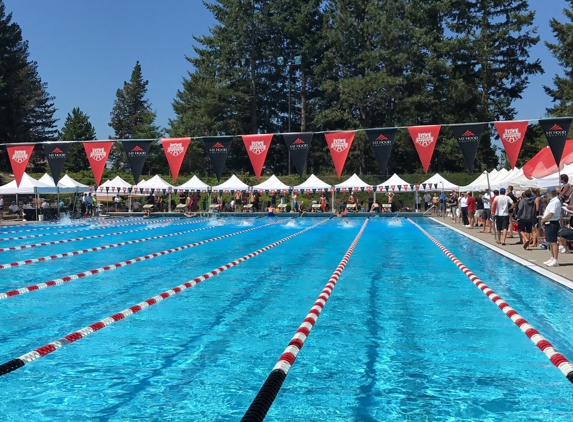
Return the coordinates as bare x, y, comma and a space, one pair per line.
156, 183
65, 185
311, 183
272, 183
553, 179
442, 184
28, 185
480, 182
395, 180
194, 184
353, 182
232, 183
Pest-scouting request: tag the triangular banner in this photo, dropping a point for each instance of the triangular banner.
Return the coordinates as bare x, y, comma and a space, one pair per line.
424, 138
218, 148
136, 151
298, 145
56, 153
19, 156
175, 149
339, 144
468, 137
97, 153
257, 147
382, 141
556, 131
511, 134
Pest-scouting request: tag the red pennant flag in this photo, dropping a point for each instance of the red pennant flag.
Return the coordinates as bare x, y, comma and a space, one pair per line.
257, 147
19, 156
511, 134
97, 153
175, 149
339, 144
425, 138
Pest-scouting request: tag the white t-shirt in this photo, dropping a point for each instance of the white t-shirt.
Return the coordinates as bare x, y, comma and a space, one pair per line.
464, 202
553, 207
486, 198
503, 202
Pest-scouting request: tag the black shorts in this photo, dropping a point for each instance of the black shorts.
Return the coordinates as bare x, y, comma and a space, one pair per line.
551, 230
566, 233
524, 226
502, 222
486, 215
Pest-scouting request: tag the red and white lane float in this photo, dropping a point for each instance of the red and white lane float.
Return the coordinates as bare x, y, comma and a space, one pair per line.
19, 362
91, 227
268, 392
97, 248
547, 348
89, 273
97, 236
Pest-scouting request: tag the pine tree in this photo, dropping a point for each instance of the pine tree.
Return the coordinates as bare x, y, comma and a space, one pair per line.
562, 93
26, 108
132, 117
77, 127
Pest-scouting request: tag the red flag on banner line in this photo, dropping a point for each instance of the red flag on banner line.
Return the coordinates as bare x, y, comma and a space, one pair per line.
339, 144
511, 134
19, 156
257, 147
175, 149
97, 153
424, 138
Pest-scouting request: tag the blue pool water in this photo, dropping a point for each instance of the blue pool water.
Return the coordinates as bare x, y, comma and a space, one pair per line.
404, 336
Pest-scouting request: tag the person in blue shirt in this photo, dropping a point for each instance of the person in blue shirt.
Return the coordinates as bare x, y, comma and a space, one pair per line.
443, 199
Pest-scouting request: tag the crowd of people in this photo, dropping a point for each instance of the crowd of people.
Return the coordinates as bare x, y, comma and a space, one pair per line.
534, 219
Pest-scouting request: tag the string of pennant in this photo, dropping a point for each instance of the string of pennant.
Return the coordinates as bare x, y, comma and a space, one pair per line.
468, 136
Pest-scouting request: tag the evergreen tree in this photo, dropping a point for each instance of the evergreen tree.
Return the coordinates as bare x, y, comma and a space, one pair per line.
562, 93
132, 118
26, 109
77, 127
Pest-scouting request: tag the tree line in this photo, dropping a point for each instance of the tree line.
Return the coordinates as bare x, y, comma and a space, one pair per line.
348, 64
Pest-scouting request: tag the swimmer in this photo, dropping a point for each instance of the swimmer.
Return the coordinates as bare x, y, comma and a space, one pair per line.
190, 214
146, 214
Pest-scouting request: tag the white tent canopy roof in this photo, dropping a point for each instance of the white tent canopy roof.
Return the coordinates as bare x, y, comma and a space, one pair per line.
65, 185
156, 182
28, 185
437, 179
313, 182
395, 180
353, 182
553, 179
480, 183
272, 183
193, 184
232, 183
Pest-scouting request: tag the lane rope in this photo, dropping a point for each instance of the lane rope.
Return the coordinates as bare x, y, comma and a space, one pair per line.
268, 392
25, 359
97, 248
46, 225
91, 227
97, 236
90, 273
556, 358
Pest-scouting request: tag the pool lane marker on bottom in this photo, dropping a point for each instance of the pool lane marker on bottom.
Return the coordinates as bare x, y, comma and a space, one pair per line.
268, 392
547, 348
89, 273
23, 360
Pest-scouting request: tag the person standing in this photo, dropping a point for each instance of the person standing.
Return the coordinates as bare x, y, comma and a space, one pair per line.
513, 209
526, 217
443, 200
1, 208
427, 201
435, 203
117, 200
479, 210
550, 221
500, 208
565, 189
486, 198
89, 205
454, 205
471, 211
464, 209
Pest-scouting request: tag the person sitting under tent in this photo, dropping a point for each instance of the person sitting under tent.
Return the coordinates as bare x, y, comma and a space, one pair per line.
14, 208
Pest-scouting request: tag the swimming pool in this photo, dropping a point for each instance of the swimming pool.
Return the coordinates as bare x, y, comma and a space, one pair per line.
404, 336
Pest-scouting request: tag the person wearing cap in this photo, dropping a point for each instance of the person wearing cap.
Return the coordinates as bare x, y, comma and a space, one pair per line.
500, 208
550, 222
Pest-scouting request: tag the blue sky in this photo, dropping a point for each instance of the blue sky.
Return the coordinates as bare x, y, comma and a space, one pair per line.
86, 49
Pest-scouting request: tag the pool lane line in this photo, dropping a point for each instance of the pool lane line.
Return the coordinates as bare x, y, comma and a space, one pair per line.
84, 222
89, 273
25, 359
97, 236
556, 358
268, 392
98, 248
90, 227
